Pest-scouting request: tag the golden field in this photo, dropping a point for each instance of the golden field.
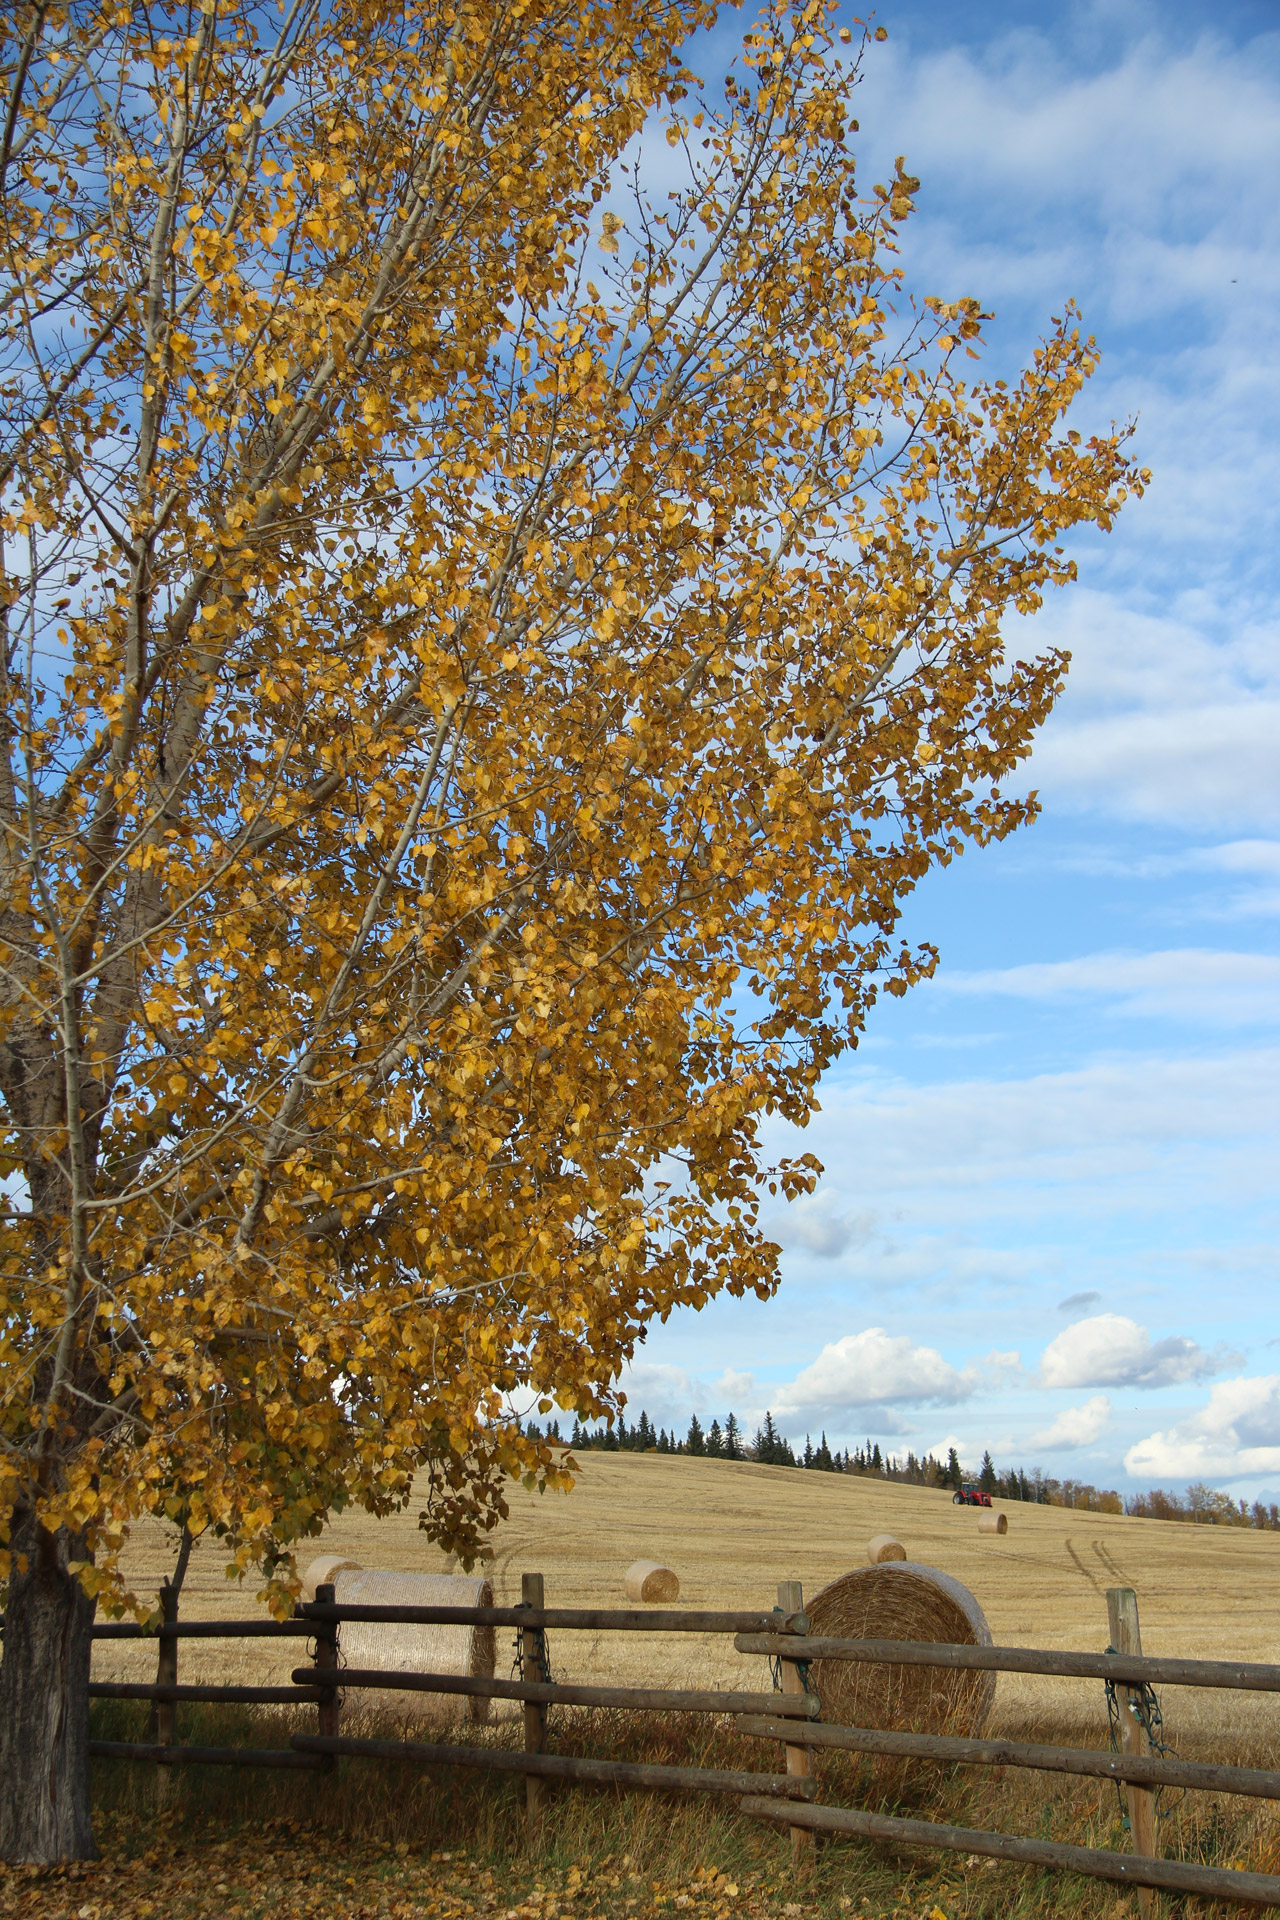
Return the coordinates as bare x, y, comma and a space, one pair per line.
732, 1530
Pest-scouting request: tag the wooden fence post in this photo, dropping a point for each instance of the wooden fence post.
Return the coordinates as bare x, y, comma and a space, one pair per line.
1122, 1625
163, 1728
326, 1663
532, 1642
799, 1759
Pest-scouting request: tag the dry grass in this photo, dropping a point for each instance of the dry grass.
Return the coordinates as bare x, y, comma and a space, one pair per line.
732, 1531
652, 1846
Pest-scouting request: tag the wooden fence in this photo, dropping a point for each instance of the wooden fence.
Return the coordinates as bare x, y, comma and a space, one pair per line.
790, 1716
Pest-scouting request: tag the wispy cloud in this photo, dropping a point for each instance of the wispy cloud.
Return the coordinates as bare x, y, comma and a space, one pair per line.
1202, 984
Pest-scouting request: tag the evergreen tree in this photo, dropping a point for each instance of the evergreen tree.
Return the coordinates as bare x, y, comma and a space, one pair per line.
643, 1438
732, 1438
696, 1443
987, 1478
877, 1463
822, 1456
808, 1451
715, 1441
955, 1472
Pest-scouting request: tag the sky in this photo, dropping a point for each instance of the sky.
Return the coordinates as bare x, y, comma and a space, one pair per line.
1049, 1221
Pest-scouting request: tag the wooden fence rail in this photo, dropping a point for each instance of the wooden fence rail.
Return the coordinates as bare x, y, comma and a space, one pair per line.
789, 1717
1125, 1869
1145, 1769
554, 1693
1237, 1675
564, 1766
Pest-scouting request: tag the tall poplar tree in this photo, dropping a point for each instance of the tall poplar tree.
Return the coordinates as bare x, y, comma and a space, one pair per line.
487, 654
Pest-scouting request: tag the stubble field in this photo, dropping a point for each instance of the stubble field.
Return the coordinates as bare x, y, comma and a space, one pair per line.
732, 1530
441, 1843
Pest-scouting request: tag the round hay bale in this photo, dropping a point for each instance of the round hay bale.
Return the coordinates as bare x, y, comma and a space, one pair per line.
415, 1649
882, 1547
325, 1568
648, 1580
903, 1600
993, 1523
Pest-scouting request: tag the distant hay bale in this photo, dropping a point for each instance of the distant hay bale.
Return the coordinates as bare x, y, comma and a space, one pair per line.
647, 1580
323, 1569
903, 1600
993, 1523
882, 1547
415, 1649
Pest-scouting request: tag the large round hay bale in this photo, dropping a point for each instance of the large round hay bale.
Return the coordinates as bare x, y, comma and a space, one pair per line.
325, 1568
882, 1547
415, 1649
993, 1523
650, 1581
902, 1600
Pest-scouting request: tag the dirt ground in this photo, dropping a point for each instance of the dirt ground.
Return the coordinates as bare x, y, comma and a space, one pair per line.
733, 1530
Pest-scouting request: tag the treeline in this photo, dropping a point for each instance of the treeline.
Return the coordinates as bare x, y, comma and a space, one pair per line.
767, 1447
1201, 1505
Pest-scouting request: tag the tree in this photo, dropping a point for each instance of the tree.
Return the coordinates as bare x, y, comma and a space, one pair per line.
715, 1440
988, 1479
482, 676
955, 1472
695, 1441
733, 1449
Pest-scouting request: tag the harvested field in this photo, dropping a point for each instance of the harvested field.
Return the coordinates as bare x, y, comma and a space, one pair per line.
732, 1530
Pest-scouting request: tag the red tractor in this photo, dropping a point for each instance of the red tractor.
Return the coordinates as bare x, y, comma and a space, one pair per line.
970, 1495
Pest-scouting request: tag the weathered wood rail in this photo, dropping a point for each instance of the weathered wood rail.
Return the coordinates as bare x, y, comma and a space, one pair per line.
790, 1717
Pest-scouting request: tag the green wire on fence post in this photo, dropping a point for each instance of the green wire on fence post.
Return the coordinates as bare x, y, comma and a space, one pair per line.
1126, 1637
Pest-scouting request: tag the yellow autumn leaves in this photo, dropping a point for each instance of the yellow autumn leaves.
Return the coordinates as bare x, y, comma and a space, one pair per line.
511, 683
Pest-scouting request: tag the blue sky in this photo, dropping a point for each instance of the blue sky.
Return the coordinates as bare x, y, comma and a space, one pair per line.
1049, 1221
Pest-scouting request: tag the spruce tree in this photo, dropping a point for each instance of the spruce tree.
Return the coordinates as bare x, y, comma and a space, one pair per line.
987, 1478
715, 1441
732, 1438
696, 1443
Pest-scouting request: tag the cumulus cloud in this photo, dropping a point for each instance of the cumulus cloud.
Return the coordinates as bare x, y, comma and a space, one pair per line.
1075, 1301
1235, 1435
1109, 1350
1075, 1426
876, 1368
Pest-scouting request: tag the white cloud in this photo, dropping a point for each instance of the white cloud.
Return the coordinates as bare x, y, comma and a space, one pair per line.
1110, 1350
876, 1368
1183, 983
1075, 1426
1123, 1132
1237, 1434
814, 1224
670, 1394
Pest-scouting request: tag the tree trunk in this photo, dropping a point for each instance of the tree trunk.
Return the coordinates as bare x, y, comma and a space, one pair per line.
44, 1700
